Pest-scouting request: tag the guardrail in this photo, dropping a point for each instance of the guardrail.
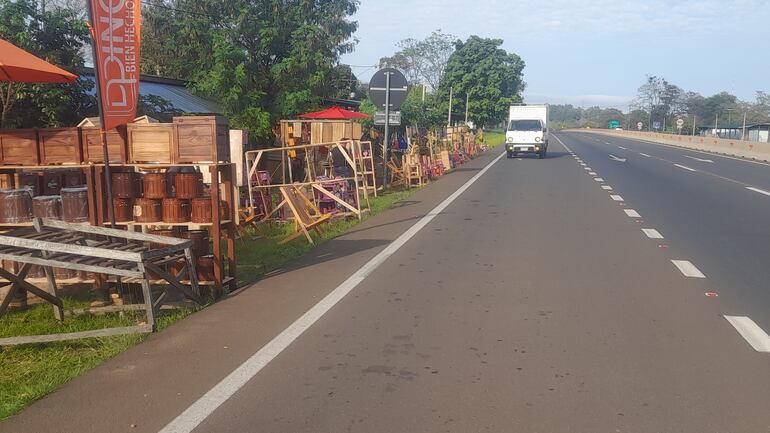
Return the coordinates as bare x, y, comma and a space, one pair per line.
740, 148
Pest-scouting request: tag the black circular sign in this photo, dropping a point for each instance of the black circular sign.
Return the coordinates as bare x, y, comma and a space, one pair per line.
398, 88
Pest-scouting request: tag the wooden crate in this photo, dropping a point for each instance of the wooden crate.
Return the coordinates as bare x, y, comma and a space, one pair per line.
117, 145
202, 139
19, 147
151, 142
60, 146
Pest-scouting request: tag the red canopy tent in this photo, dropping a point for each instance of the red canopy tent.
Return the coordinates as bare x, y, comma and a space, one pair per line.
335, 113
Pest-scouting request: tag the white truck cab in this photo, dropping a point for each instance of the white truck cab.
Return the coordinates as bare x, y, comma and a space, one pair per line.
527, 130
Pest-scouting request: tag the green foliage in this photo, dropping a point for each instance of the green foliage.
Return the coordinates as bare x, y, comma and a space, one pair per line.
57, 35
263, 60
488, 75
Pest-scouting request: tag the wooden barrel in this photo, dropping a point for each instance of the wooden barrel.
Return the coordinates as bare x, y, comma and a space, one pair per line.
172, 268
123, 209
123, 185
16, 205
200, 242
31, 180
204, 266
64, 274
74, 204
139, 184
36, 271
52, 182
19, 300
176, 210
47, 206
154, 186
148, 210
73, 178
201, 210
188, 185
165, 233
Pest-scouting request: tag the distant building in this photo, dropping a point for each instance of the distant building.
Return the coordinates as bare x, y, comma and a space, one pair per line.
759, 132
173, 91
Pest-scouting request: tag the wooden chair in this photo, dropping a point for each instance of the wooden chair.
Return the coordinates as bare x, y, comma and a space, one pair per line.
397, 175
306, 214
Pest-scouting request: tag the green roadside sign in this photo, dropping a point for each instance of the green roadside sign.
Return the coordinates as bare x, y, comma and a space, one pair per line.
614, 124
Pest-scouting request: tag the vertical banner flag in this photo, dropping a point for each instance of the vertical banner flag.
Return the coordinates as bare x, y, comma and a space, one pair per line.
116, 28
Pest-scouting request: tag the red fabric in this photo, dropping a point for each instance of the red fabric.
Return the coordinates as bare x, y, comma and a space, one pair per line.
335, 113
20, 66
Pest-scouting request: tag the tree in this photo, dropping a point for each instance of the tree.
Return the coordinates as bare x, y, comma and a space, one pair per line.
423, 61
263, 60
57, 35
490, 77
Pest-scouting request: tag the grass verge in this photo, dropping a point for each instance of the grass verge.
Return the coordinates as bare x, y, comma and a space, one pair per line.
30, 372
494, 137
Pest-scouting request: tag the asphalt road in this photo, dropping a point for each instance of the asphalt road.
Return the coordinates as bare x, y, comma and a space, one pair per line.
531, 302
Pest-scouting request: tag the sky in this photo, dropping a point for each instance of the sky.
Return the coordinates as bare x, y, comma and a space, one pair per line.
591, 52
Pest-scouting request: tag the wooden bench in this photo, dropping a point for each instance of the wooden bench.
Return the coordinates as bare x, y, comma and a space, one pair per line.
120, 253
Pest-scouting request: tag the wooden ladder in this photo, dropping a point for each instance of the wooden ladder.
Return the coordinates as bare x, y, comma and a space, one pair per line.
366, 168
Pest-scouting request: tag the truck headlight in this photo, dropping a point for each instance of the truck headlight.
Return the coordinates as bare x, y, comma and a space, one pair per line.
537, 139
509, 140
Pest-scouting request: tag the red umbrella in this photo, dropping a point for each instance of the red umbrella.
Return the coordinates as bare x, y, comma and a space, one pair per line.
20, 66
335, 113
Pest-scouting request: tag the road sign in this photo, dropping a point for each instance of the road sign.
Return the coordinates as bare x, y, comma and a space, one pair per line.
679, 123
639, 126
398, 88
395, 118
656, 125
614, 124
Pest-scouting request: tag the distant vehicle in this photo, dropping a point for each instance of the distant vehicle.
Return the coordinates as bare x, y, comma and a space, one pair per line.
618, 128
527, 130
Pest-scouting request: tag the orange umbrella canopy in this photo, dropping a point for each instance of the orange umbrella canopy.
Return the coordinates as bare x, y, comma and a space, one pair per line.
20, 66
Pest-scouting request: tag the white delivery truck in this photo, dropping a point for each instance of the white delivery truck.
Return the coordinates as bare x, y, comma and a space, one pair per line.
527, 130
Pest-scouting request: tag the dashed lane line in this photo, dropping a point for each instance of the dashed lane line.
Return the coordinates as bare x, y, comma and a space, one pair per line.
652, 233
645, 155
688, 269
606, 187
599, 179
751, 332
632, 213
684, 167
592, 173
709, 161
616, 197
761, 191
621, 147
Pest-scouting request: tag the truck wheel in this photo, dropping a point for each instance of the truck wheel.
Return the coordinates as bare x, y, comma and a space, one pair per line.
541, 155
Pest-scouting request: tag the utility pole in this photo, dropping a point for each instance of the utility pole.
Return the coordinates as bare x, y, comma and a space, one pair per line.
693, 124
449, 115
743, 135
467, 100
716, 124
664, 124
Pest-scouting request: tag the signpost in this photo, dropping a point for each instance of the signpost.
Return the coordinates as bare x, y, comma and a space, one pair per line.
614, 124
656, 125
639, 126
394, 118
387, 90
680, 125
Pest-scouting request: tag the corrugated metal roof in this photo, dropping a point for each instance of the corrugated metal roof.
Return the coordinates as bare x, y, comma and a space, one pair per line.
174, 91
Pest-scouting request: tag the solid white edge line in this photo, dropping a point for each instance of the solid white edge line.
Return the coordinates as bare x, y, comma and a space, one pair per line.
685, 167
688, 269
222, 391
652, 233
632, 213
751, 332
616, 197
761, 191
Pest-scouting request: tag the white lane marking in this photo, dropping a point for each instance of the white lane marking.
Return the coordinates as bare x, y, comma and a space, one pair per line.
751, 332
599, 179
684, 167
606, 187
587, 168
688, 269
615, 158
761, 191
652, 234
616, 197
622, 147
645, 155
632, 213
188, 420
592, 173
699, 159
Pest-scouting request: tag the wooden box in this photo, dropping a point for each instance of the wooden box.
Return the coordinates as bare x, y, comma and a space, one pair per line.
60, 146
19, 147
151, 142
117, 145
202, 139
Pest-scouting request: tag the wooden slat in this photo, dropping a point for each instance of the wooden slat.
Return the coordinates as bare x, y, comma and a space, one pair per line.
76, 266
115, 233
109, 332
69, 248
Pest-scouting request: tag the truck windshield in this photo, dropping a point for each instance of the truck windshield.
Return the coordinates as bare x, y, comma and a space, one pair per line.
525, 125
